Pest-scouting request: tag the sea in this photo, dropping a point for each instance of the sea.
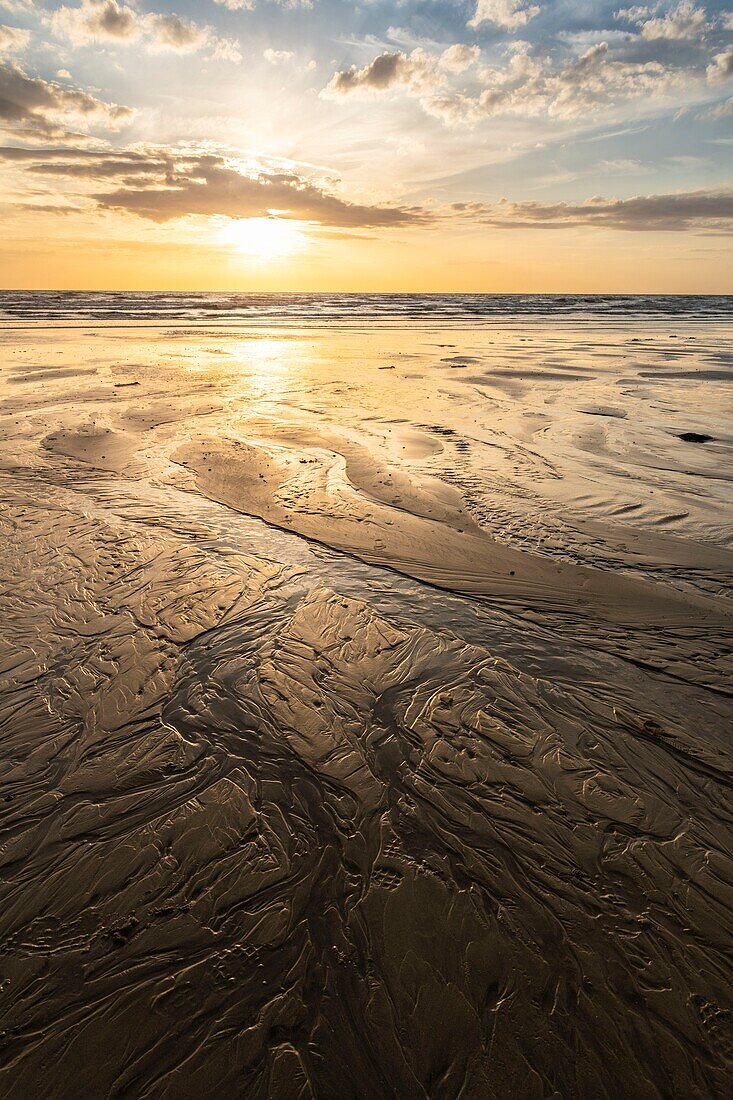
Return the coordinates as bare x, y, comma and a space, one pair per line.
163, 306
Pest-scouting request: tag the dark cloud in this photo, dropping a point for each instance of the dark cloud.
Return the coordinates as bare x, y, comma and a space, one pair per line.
90, 164
111, 20
214, 188
710, 211
45, 107
44, 208
162, 185
384, 71
74, 155
419, 71
178, 34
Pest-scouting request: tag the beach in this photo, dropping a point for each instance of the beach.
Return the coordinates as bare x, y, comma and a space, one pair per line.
366, 697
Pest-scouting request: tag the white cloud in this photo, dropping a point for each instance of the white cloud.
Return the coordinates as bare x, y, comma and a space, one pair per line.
224, 49
635, 15
17, 7
623, 167
681, 22
13, 40
721, 110
109, 21
277, 57
595, 79
721, 67
508, 14
248, 5
458, 58
527, 85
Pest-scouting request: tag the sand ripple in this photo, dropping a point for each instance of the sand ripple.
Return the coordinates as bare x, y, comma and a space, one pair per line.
318, 784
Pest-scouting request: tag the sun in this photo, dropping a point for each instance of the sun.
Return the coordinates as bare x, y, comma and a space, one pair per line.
263, 238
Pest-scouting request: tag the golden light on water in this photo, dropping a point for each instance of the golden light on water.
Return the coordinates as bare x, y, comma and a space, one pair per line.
264, 239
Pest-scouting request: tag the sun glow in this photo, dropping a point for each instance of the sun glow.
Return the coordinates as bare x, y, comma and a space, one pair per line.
264, 239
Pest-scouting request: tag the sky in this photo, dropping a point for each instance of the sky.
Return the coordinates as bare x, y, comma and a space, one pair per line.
390, 145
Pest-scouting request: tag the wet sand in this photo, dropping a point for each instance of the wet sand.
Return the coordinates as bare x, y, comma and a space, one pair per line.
366, 710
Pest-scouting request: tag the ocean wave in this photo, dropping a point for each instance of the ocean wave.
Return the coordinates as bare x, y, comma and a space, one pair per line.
125, 307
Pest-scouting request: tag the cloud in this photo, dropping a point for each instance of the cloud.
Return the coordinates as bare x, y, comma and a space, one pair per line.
214, 188
530, 84
388, 70
509, 14
682, 22
635, 15
458, 58
133, 167
721, 67
170, 32
277, 57
161, 184
597, 74
419, 72
623, 166
97, 20
109, 21
44, 107
248, 5
709, 211
13, 40
721, 110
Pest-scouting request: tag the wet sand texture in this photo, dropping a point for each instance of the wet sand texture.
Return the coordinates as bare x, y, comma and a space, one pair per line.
365, 733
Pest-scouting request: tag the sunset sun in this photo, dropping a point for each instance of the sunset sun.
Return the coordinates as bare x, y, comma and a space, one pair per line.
263, 239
